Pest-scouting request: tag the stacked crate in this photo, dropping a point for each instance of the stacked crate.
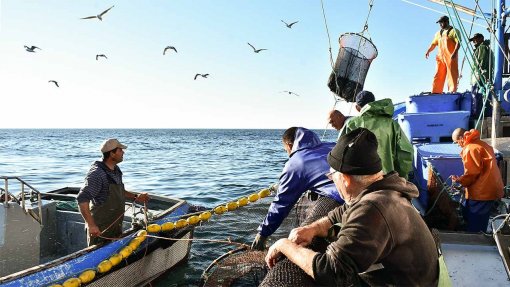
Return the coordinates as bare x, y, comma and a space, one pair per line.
433, 117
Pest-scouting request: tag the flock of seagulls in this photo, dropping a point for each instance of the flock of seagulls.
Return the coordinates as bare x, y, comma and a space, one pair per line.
31, 49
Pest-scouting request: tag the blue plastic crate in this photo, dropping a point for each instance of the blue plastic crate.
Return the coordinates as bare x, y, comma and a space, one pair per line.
432, 103
466, 102
432, 127
445, 158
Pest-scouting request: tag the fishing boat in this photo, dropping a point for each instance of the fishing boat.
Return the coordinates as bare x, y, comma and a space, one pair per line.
43, 240
428, 120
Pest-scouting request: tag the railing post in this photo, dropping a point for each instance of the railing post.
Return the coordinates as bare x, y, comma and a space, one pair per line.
23, 197
6, 193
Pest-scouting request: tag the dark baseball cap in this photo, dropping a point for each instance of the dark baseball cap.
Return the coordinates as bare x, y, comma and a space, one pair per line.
476, 36
364, 97
443, 19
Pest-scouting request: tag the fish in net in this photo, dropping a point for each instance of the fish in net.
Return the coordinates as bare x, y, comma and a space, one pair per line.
354, 57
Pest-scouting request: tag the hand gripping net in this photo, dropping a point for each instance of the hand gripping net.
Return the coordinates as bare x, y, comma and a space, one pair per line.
351, 66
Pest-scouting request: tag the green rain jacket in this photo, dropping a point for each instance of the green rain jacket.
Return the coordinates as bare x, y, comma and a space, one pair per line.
393, 146
484, 59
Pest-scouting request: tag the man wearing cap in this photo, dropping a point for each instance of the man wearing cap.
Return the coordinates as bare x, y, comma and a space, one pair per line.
481, 179
394, 148
447, 60
304, 171
104, 188
484, 62
376, 231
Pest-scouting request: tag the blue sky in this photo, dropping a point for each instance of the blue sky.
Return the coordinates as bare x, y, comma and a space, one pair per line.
138, 87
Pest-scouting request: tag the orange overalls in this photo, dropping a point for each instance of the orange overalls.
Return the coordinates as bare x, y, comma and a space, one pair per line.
446, 67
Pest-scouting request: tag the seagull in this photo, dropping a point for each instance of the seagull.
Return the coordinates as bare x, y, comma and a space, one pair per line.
169, 48
55, 82
289, 25
31, 49
203, 76
101, 55
256, 50
290, 93
100, 16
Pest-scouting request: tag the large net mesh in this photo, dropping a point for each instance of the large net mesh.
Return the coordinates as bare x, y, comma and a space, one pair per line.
354, 57
245, 267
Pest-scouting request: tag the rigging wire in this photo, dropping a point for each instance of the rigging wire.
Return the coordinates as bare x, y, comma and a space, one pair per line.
365, 29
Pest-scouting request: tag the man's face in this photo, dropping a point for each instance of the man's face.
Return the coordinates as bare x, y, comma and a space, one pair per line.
117, 155
443, 24
337, 178
477, 41
336, 120
287, 147
459, 140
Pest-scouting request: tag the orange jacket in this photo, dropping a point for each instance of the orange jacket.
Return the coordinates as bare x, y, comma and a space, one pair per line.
481, 178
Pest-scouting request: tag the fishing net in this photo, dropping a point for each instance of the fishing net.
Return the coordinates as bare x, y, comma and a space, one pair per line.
445, 210
354, 57
245, 267
239, 267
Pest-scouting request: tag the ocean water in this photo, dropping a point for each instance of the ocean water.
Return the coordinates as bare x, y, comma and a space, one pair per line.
204, 167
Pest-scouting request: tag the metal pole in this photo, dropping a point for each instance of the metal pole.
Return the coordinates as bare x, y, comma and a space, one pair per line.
498, 77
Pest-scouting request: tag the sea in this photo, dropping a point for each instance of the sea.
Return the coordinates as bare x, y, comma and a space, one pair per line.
205, 167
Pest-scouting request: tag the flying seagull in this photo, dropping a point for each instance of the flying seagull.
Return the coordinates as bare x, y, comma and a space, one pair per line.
100, 16
203, 76
31, 49
169, 48
55, 82
101, 55
256, 50
290, 93
289, 25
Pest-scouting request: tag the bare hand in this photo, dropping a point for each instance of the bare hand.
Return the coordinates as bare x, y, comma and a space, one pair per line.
427, 55
273, 254
143, 197
455, 178
94, 230
302, 235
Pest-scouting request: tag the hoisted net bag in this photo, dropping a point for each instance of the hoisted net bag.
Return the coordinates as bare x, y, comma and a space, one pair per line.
351, 66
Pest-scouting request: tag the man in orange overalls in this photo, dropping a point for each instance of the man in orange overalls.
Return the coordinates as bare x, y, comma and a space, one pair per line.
447, 60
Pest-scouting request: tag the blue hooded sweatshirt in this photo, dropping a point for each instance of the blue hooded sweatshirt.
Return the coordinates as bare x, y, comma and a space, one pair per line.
305, 170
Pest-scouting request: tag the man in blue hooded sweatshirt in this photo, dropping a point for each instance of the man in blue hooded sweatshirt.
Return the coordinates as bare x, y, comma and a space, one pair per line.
305, 170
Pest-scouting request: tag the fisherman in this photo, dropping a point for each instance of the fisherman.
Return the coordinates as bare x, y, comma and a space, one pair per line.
304, 171
377, 227
337, 120
447, 60
104, 188
484, 62
481, 179
394, 148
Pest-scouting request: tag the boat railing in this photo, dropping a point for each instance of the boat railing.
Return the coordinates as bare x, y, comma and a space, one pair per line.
33, 193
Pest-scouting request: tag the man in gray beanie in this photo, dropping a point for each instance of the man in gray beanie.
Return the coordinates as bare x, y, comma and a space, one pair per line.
376, 232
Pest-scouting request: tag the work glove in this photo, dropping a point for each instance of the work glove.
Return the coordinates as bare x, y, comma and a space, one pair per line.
259, 243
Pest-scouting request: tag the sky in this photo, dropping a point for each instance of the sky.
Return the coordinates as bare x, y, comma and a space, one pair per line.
139, 87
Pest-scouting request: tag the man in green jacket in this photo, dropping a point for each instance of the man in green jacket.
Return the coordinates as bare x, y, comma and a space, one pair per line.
394, 148
484, 62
